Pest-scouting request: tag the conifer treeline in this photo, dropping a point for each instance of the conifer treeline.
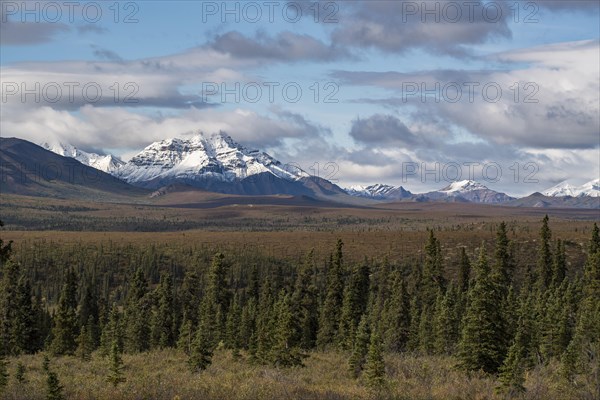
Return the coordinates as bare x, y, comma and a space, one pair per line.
482, 316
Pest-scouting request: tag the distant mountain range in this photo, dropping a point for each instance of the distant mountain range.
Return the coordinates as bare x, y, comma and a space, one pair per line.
217, 163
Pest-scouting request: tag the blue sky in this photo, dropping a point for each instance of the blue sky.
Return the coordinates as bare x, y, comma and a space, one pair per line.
362, 68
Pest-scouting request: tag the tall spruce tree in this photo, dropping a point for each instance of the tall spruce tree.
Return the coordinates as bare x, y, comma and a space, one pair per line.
464, 270
262, 340
433, 281
481, 343
213, 308
446, 322
202, 348
354, 304
520, 353
559, 265
396, 314
304, 304
112, 332
330, 311
503, 261
284, 353
374, 365
544, 262
163, 323
137, 315
360, 347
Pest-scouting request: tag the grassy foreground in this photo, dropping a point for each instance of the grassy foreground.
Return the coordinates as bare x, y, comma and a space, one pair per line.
164, 375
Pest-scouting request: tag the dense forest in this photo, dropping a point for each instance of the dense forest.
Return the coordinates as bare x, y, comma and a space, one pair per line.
492, 315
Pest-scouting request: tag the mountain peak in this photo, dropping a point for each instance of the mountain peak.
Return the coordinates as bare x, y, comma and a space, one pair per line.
591, 189
198, 157
464, 186
105, 163
379, 191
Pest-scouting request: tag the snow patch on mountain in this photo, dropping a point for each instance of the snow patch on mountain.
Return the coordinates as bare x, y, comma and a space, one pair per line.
463, 187
591, 189
106, 163
468, 190
379, 191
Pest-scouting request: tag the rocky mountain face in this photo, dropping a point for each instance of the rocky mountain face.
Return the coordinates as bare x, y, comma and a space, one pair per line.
379, 192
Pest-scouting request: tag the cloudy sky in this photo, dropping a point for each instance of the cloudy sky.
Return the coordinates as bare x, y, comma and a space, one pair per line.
399, 92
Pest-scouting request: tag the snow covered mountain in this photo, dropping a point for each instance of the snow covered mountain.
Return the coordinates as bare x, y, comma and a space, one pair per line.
468, 190
214, 156
590, 189
217, 163
379, 192
105, 163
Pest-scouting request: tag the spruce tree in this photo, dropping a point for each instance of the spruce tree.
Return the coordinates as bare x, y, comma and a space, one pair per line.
66, 327
396, 315
189, 298
232, 325
202, 349
374, 365
113, 331
136, 315
247, 323
265, 324
544, 262
520, 357
115, 372
433, 281
54, 390
445, 324
85, 345
284, 353
559, 266
330, 311
481, 343
503, 261
213, 308
305, 306
354, 304
360, 347
464, 270
163, 326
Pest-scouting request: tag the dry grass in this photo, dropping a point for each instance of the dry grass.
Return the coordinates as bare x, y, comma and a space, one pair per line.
163, 375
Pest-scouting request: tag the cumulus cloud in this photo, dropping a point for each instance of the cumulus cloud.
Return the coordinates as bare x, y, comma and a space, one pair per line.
551, 102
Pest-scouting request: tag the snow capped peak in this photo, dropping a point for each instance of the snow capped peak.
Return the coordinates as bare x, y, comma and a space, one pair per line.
591, 189
106, 163
199, 156
463, 186
379, 191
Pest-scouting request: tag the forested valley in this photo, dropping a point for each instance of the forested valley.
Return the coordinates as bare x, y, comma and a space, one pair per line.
136, 321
